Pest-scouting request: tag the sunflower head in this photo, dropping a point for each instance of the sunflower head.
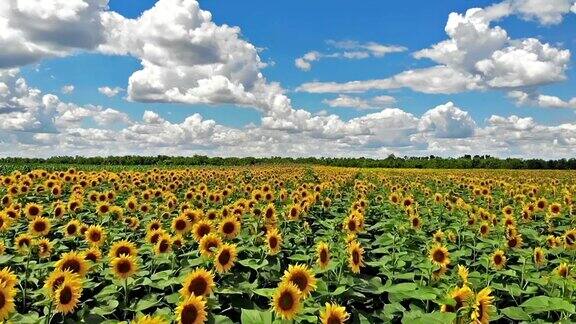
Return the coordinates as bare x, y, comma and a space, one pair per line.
229, 227
55, 280
539, 256
355, 256
563, 270
124, 266
333, 314
44, 248
67, 295
192, 310
148, 319
8, 277
286, 301
302, 277
481, 308
74, 262
33, 210
199, 282
498, 259
39, 226
180, 224
570, 239
93, 254
164, 244
209, 244
273, 240
201, 228
439, 255
461, 296
225, 257
95, 235
23, 242
7, 306
123, 247
323, 253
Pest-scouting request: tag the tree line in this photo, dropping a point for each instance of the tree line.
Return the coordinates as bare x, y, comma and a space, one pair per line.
392, 161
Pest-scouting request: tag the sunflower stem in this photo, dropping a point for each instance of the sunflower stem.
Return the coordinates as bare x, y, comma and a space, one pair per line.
26, 280
49, 316
126, 292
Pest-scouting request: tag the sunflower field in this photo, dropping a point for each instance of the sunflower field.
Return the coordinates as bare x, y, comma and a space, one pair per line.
287, 244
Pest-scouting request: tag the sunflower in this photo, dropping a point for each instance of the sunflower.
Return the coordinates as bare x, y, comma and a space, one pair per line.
55, 280
74, 262
123, 247
539, 256
7, 306
67, 296
323, 253
415, 222
498, 259
39, 226
180, 224
23, 243
355, 256
201, 228
351, 224
164, 244
209, 244
95, 235
274, 241
482, 303
225, 257
438, 236
555, 209
570, 239
2, 248
154, 225
93, 254
178, 241
437, 274
199, 283
439, 255
229, 227
333, 314
103, 209
124, 266
463, 274
44, 248
8, 277
192, 310
72, 228
147, 319
302, 277
32, 210
286, 300
515, 241
485, 229
563, 270
461, 297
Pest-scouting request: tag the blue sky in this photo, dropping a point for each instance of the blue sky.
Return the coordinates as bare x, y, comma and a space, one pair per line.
285, 31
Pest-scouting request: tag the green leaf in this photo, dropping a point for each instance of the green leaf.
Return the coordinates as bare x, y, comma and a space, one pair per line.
516, 313
417, 317
254, 316
253, 263
541, 304
146, 303
221, 319
106, 309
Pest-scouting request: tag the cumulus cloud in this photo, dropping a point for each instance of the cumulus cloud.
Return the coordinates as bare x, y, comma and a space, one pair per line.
36, 29
540, 100
360, 103
67, 89
110, 92
347, 50
447, 121
477, 55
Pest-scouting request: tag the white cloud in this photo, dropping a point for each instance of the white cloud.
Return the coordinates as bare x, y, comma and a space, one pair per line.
110, 92
360, 103
67, 89
540, 100
477, 56
447, 121
546, 12
36, 29
347, 50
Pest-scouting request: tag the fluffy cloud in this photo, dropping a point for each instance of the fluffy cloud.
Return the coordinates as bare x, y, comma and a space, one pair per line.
109, 92
477, 55
447, 121
36, 29
67, 89
347, 50
360, 103
540, 100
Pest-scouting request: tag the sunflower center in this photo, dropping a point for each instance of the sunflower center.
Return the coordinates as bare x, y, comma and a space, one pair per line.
300, 280
286, 301
95, 236
570, 239
2, 300
72, 265
198, 286
273, 241
333, 319
39, 226
352, 225
34, 211
163, 246
203, 230
122, 250
224, 257
124, 266
91, 256
323, 256
189, 314
57, 282
228, 228
497, 259
180, 224
65, 295
438, 256
355, 257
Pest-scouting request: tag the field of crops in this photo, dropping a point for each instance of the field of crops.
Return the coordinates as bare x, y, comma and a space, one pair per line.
287, 244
